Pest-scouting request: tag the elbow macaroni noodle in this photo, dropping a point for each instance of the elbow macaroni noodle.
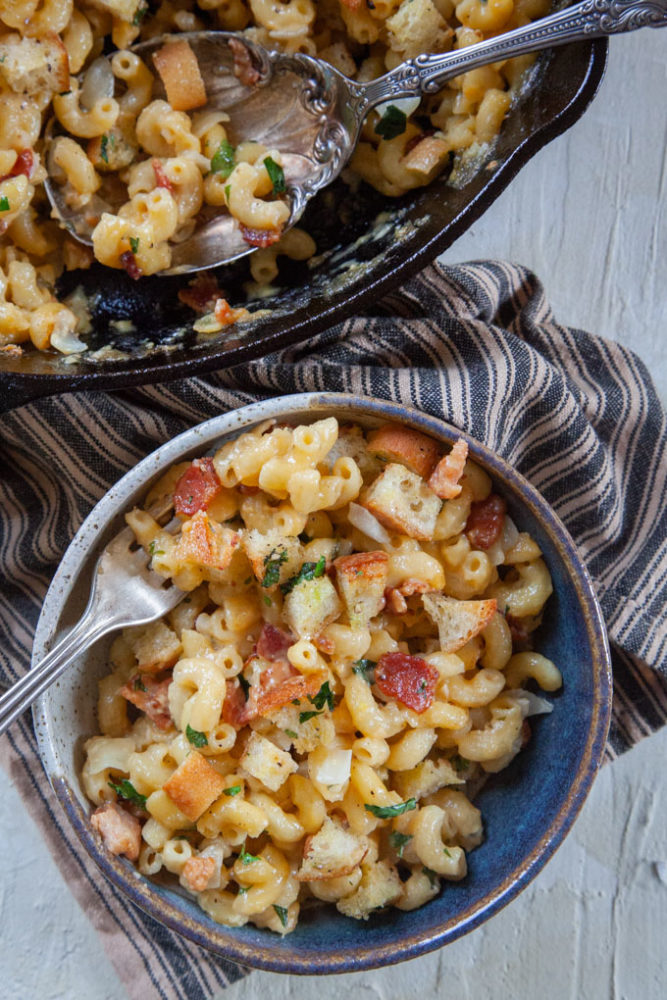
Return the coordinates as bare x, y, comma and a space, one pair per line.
111, 128
254, 726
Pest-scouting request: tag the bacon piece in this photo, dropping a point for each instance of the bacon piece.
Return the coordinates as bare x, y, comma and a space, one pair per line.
150, 696
129, 262
394, 601
197, 488
247, 491
260, 237
444, 480
224, 313
197, 873
244, 69
161, 178
412, 586
273, 643
293, 688
235, 709
408, 679
22, 165
206, 542
485, 521
201, 294
120, 831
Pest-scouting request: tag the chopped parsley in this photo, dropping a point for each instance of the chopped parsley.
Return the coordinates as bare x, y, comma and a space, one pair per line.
459, 763
4, 203
245, 858
243, 890
224, 160
432, 877
282, 913
139, 685
245, 686
388, 812
323, 697
140, 14
291, 734
104, 152
273, 563
447, 852
228, 188
195, 737
152, 551
309, 571
398, 841
305, 716
126, 790
276, 175
363, 667
134, 244
392, 123
233, 790
267, 600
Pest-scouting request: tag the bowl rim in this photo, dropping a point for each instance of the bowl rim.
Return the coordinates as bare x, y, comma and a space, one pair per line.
221, 939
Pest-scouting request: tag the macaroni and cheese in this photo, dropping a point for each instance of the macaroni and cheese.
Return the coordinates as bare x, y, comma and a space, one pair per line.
350, 661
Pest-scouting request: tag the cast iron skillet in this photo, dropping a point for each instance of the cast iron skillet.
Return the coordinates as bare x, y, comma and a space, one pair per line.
369, 244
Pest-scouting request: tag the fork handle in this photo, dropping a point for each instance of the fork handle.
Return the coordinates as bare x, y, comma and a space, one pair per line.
22, 694
426, 74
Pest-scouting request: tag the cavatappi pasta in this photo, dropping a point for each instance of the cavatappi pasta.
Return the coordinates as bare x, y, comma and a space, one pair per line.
311, 722
173, 156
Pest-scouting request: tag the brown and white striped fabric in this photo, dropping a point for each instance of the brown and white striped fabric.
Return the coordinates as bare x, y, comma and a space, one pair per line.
475, 345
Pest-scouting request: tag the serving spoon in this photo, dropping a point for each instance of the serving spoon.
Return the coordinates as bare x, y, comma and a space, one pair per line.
313, 114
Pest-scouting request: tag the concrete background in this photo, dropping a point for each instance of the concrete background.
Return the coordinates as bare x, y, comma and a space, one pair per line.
588, 215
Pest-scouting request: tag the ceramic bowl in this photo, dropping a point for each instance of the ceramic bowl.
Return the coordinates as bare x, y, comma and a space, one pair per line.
527, 809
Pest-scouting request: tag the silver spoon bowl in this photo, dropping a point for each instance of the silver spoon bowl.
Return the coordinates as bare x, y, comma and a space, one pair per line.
313, 114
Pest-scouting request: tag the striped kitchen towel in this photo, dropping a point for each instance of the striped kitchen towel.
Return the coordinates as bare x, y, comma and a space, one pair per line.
476, 345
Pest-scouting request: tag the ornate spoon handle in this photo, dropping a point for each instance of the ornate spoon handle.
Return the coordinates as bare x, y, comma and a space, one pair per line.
589, 19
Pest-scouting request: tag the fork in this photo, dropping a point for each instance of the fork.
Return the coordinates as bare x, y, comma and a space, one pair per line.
124, 592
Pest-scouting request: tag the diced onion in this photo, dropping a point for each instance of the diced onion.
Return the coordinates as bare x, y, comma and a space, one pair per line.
510, 534
334, 769
98, 83
530, 703
368, 524
405, 104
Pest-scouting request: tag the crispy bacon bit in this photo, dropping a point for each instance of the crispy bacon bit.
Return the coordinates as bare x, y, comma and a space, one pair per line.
412, 586
394, 601
260, 237
324, 644
273, 643
247, 491
224, 313
150, 696
129, 262
235, 709
197, 488
22, 165
209, 543
197, 873
161, 179
408, 679
445, 477
120, 831
485, 521
297, 687
201, 294
244, 69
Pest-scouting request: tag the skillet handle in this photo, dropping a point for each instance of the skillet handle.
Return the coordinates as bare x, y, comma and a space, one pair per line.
17, 390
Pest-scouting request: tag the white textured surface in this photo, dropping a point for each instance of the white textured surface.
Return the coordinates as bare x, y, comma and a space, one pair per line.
588, 215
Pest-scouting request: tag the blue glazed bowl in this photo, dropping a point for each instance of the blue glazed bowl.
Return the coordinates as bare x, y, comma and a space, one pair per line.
527, 809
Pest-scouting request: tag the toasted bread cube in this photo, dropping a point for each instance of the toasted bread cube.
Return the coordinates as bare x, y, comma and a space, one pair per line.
278, 554
427, 777
402, 502
34, 65
205, 542
330, 853
194, 785
445, 478
380, 885
179, 71
458, 621
351, 443
156, 647
267, 762
362, 578
311, 606
411, 448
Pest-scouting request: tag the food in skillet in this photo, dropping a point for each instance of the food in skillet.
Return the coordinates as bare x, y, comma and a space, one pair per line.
173, 156
311, 723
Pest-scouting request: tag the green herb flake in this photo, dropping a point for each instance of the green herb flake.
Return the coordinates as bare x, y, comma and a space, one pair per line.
134, 244
195, 737
393, 123
291, 734
233, 790
388, 812
243, 890
267, 600
152, 551
224, 160
4, 203
104, 152
245, 858
139, 685
245, 685
305, 716
227, 189
398, 841
459, 763
363, 667
126, 790
432, 876
282, 913
309, 571
448, 852
140, 14
323, 697
273, 563
276, 175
